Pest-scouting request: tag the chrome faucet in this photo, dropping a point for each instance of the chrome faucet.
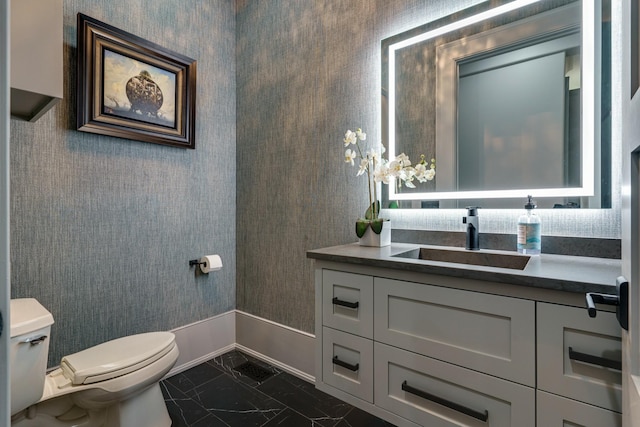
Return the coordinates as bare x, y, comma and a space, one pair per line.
473, 236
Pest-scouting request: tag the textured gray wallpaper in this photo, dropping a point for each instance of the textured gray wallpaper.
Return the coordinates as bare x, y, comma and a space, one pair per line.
102, 228
307, 71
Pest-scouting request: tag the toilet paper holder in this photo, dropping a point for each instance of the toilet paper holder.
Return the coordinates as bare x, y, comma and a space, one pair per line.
208, 263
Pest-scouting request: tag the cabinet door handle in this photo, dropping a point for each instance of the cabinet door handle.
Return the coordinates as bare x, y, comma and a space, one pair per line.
347, 304
482, 416
345, 365
594, 360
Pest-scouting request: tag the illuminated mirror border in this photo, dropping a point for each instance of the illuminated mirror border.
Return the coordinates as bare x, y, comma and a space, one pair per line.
588, 108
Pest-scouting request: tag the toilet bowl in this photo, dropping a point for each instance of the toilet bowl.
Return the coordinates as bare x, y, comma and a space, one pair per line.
114, 384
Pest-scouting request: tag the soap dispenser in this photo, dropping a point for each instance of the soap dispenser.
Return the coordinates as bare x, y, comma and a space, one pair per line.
529, 236
473, 236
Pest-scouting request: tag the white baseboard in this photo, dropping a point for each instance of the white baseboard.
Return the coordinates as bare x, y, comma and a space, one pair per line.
289, 349
204, 340
281, 346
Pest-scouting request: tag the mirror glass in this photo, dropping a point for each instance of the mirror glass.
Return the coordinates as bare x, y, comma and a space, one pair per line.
510, 98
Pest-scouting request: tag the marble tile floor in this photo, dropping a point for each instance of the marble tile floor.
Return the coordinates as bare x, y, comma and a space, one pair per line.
214, 394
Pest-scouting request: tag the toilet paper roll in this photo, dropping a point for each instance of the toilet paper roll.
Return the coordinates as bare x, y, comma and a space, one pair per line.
210, 263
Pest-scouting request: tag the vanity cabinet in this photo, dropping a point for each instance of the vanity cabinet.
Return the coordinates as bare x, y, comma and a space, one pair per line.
426, 353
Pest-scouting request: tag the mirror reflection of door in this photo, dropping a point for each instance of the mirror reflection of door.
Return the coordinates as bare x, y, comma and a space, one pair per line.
519, 118
515, 115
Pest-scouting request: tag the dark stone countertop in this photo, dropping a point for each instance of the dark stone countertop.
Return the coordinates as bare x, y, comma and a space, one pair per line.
545, 271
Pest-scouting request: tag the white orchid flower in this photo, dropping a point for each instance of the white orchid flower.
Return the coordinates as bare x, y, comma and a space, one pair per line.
430, 174
403, 159
421, 172
350, 138
381, 170
364, 163
349, 156
381, 174
395, 168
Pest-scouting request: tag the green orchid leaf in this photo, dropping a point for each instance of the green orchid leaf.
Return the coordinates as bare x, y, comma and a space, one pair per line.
361, 227
393, 205
376, 225
369, 213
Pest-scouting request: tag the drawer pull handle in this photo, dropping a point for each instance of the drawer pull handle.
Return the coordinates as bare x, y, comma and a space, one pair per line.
594, 360
482, 416
347, 304
345, 365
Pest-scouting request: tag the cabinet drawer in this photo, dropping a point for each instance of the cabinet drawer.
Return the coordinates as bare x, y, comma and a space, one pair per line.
347, 363
347, 302
564, 330
488, 333
556, 411
438, 394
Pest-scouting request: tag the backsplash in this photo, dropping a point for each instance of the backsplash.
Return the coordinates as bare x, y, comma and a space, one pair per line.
558, 245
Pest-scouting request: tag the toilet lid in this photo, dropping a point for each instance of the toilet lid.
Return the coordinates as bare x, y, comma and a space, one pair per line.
27, 316
117, 357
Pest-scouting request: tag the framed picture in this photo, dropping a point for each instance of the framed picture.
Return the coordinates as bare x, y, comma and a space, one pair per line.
131, 88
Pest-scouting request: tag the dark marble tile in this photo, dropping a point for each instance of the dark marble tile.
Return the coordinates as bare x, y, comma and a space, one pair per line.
305, 399
190, 379
184, 411
235, 403
213, 394
209, 421
289, 418
357, 418
228, 361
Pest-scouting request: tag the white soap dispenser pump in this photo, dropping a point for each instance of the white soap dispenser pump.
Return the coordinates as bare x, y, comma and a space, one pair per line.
529, 233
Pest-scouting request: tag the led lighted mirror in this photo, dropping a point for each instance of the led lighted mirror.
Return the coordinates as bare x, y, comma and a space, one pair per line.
510, 98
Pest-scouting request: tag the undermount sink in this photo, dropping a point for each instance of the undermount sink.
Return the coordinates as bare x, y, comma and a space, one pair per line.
487, 259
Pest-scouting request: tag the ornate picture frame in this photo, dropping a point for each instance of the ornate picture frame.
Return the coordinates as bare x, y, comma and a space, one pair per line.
131, 88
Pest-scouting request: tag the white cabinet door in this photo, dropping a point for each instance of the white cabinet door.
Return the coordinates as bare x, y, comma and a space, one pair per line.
347, 302
347, 363
556, 411
580, 357
437, 394
488, 333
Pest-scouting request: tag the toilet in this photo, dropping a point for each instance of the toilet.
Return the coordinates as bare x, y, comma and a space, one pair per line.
114, 384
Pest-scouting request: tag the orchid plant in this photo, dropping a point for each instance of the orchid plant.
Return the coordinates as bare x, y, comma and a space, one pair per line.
379, 170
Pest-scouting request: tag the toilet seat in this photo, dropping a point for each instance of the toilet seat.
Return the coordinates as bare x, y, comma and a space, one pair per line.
116, 358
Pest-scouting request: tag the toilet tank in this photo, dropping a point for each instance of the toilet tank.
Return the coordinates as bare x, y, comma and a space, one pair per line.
28, 350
